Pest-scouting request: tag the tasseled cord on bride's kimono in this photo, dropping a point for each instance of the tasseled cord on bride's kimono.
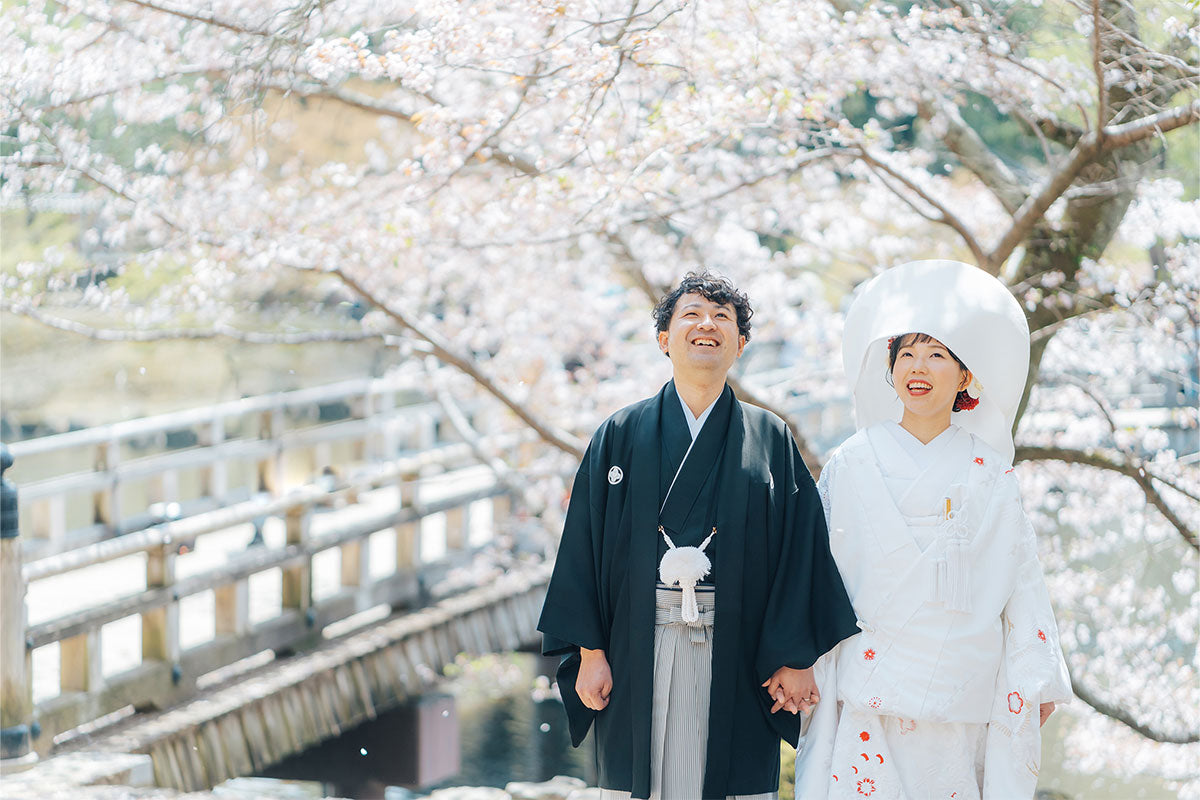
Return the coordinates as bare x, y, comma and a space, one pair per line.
939, 695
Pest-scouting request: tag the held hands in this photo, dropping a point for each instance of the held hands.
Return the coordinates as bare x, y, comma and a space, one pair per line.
594, 683
1046, 709
793, 690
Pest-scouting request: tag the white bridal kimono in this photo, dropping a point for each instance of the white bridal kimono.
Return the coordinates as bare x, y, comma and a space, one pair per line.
938, 696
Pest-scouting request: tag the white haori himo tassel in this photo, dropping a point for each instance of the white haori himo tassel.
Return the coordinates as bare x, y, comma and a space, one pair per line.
685, 567
954, 571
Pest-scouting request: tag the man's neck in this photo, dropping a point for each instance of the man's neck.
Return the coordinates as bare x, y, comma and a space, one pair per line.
698, 396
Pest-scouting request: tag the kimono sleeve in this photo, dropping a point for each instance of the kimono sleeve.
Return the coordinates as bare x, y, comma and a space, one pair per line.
808, 611
1033, 654
572, 612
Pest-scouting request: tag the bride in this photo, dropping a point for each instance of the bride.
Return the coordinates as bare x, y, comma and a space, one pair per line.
942, 693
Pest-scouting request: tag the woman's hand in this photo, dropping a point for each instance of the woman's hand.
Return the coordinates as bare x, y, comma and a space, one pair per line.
793, 690
1046, 709
594, 683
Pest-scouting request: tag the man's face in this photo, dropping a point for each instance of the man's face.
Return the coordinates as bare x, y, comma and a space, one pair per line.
702, 339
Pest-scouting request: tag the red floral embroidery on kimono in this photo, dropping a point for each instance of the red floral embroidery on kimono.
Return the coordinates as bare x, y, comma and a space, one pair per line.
979, 460
866, 787
875, 702
868, 655
865, 736
1010, 469
1042, 635
1015, 698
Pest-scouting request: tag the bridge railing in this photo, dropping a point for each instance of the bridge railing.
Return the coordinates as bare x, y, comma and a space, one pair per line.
85, 486
390, 500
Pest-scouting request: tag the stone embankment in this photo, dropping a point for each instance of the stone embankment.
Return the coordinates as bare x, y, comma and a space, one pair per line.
111, 776
89, 776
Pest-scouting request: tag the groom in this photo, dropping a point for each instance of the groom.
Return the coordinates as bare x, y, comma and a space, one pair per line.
686, 697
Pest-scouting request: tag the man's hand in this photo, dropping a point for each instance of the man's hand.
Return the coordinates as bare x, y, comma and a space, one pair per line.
594, 683
1046, 709
793, 690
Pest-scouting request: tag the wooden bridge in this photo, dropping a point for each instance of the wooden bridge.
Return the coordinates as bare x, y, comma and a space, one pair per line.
285, 567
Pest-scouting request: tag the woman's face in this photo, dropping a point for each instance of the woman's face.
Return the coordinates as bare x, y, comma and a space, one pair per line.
927, 378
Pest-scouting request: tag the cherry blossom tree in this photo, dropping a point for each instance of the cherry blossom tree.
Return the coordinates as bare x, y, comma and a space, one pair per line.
517, 182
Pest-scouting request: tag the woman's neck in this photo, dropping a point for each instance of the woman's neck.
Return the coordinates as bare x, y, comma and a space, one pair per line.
925, 429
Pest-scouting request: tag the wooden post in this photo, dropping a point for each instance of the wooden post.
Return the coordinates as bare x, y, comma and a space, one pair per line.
367, 447
501, 508
164, 487
297, 581
408, 545
231, 608
409, 486
270, 467
457, 521
80, 665
356, 564
216, 477
426, 435
322, 458
384, 413
49, 518
160, 626
16, 674
107, 501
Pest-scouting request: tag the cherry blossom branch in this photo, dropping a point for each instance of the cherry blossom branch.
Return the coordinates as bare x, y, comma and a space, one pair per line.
1058, 131
221, 331
182, 72
976, 156
1098, 68
1090, 146
947, 217
1107, 413
508, 476
1119, 714
442, 350
1118, 136
217, 331
365, 102
120, 191
1099, 459
1099, 401
201, 18
560, 439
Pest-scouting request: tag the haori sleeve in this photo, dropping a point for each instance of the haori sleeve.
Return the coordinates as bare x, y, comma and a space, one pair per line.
808, 611
572, 612
1033, 653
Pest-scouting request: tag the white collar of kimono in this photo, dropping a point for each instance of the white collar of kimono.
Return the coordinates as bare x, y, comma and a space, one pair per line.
969, 311
921, 453
695, 423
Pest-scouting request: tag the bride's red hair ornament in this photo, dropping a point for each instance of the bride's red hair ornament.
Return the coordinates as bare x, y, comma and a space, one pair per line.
968, 398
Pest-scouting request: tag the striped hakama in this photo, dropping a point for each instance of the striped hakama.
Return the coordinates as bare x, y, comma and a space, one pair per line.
682, 681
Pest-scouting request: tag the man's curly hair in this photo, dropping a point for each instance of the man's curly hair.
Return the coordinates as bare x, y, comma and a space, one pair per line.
713, 288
